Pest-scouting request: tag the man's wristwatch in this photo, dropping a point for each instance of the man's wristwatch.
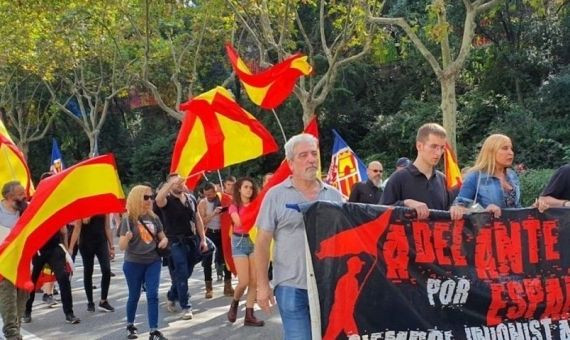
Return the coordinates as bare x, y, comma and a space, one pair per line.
564, 204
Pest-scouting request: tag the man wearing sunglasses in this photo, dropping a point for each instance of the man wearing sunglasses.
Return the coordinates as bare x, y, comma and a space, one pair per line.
179, 213
369, 191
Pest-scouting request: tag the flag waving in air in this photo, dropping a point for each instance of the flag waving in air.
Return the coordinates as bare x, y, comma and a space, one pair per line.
216, 133
452, 172
346, 168
270, 87
88, 188
13, 165
56, 159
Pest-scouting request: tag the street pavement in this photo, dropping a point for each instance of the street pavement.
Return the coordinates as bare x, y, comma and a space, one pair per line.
209, 320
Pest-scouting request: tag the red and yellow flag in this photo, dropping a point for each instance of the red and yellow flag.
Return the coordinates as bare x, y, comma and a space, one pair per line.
89, 188
452, 172
217, 132
13, 166
270, 87
282, 173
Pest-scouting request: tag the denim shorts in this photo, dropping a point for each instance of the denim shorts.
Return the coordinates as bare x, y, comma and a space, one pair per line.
241, 246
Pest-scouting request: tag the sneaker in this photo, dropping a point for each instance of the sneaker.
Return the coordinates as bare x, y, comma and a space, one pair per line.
105, 307
132, 332
171, 306
156, 335
50, 301
91, 307
27, 318
72, 319
186, 314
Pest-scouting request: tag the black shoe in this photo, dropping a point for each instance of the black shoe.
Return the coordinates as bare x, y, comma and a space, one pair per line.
91, 307
55, 291
132, 332
113, 274
72, 319
105, 307
45, 297
27, 318
156, 335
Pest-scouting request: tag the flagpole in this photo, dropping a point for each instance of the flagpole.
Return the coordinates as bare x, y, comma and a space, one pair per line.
220, 178
280, 126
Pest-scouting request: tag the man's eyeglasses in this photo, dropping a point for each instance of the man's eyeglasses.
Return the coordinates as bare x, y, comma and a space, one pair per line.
376, 170
148, 197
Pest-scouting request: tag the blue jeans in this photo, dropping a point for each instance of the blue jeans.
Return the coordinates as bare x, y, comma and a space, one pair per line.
181, 270
136, 274
293, 306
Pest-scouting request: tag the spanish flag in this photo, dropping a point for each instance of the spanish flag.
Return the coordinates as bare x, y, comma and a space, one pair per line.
217, 132
13, 165
452, 172
89, 188
269, 88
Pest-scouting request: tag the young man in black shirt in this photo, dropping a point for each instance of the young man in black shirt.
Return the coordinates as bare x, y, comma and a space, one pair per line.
369, 191
179, 213
420, 186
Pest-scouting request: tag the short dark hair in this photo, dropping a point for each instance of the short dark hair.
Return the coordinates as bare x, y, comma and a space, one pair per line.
209, 186
229, 179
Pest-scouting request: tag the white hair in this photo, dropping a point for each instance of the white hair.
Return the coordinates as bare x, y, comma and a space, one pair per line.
297, 139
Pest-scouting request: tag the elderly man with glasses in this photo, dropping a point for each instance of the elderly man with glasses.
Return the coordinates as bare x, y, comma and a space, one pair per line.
369, 191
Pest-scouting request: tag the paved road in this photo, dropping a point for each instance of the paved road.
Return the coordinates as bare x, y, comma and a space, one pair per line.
209, 315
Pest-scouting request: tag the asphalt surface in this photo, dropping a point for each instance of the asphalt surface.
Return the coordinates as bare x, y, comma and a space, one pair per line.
209, 320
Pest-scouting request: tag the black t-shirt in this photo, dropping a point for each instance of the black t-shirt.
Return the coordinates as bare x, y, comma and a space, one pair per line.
410, 183
365, 192
177, 217
94, 231
559, 184
52, 243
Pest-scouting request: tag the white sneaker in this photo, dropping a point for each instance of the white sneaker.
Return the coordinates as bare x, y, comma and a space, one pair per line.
171, 306
187, 314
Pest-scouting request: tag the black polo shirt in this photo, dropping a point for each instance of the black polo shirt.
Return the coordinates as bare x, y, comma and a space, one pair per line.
365, 192
410, 183
177, 217
559, 184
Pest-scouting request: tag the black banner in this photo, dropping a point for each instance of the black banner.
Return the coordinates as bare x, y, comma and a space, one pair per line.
382, 274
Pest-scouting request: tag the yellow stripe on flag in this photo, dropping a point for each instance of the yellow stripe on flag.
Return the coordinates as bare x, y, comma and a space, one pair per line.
194, 149
11, 167
250, 146
83, 182
256, 94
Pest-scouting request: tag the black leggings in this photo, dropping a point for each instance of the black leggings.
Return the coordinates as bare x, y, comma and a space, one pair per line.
88, 252
55, 257
216, 237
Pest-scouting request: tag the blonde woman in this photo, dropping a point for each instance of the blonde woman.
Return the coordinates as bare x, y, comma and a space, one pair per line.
491, 182
242, 252
141, 232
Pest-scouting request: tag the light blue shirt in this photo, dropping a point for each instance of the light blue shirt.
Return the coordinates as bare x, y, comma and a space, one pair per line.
490, 190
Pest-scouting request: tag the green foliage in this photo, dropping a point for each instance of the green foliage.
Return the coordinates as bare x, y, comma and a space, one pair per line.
532, 184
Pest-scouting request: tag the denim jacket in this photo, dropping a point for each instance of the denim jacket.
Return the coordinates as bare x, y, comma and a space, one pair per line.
490, 190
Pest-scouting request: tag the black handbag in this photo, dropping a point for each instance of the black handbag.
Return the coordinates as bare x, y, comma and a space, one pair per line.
194, 243
162, 252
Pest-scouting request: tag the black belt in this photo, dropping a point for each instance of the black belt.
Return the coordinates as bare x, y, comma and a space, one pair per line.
241, 235
214, 230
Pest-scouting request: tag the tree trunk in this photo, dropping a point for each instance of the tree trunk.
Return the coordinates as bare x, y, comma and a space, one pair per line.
25, 148
449, 108
93, 147
309, 111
